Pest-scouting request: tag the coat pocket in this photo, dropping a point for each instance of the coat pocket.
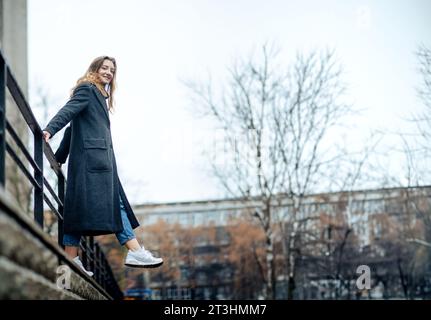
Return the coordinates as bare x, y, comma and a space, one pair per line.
97, 155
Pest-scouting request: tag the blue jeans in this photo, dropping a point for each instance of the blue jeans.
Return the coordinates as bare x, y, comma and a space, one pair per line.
72, 240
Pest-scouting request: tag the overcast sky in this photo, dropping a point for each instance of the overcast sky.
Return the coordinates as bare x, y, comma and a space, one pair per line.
157, 140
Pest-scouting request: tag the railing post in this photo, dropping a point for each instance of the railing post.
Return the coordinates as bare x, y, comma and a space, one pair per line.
38, 176
96, 262
2, 120
92, 264
85, 248
61, 187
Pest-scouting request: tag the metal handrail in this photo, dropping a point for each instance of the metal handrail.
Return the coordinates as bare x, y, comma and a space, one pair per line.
103, 275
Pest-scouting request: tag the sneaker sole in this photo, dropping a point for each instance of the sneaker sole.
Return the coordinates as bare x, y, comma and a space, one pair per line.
144, 266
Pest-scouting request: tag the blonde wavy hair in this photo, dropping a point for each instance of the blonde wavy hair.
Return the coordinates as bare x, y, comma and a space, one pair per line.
91, 76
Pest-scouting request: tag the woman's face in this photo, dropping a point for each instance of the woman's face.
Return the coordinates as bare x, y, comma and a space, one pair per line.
106, 72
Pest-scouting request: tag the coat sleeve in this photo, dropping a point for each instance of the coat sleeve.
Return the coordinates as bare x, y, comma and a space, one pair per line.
78, 102
63, 150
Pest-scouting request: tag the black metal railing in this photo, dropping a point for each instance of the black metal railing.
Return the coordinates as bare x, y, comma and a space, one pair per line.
92, 255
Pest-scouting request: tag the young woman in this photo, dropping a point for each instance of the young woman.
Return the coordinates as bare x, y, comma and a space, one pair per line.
95, 202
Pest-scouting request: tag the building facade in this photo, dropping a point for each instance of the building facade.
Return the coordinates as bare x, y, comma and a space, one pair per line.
210, 246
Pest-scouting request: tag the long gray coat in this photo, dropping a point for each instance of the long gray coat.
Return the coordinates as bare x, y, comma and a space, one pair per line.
92, 205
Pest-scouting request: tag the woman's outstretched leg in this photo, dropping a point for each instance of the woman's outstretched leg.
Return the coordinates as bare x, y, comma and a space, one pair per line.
133, 245
137, 256
71, 246
72, 252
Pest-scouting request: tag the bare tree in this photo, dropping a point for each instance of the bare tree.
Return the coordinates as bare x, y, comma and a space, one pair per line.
423, 120
417, 145
277, 124
424, 56
246, 252
410, 246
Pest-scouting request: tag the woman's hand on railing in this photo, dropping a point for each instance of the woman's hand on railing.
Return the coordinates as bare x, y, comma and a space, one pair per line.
46, 136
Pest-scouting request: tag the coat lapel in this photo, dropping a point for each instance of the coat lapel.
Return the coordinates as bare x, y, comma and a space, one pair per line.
102, 102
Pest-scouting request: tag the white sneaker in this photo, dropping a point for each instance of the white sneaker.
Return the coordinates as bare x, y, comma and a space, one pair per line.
142, 259
79, 263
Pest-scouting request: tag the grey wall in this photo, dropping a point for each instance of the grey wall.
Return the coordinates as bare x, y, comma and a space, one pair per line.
13, 43
13, 38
